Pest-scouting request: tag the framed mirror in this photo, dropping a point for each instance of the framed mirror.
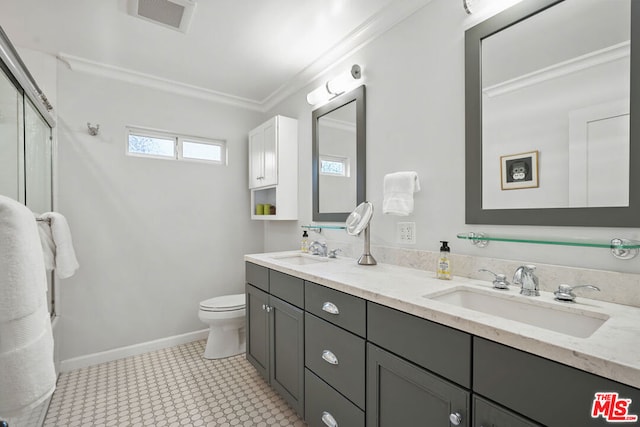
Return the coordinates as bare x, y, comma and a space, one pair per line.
550, 102
339, 156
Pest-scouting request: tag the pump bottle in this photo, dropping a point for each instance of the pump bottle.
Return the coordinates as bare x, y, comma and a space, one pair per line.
444, 263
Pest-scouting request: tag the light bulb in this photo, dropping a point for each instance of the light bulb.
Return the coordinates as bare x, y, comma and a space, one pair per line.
318, 95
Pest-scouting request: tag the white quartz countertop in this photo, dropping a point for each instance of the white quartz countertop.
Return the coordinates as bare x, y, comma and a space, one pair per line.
612, 351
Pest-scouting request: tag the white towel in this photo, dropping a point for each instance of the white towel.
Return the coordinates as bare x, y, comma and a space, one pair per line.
64, 256
398, 193
26, 343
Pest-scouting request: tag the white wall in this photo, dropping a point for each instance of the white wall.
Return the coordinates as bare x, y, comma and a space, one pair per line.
414, 76
153, 237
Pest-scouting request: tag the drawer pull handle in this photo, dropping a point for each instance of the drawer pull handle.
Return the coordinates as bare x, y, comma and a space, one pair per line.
329, 357
328, 420
330, 308
455, 418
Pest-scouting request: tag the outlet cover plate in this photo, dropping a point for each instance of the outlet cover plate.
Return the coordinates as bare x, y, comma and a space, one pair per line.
407, 233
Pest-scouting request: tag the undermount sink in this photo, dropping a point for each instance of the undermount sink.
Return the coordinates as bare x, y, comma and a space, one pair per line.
300, 259
564, 319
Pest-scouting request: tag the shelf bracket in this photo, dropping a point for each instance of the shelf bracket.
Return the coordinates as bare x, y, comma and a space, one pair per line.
477, 240
619, 251
312, 228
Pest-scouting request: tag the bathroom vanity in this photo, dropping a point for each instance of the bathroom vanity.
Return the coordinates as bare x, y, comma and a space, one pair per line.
350, 345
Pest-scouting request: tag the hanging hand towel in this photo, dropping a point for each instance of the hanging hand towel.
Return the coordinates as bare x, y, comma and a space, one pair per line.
27, 371
398, 193
65, 260
48, 246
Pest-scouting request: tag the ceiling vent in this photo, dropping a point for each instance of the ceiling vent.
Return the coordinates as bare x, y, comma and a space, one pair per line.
175, 14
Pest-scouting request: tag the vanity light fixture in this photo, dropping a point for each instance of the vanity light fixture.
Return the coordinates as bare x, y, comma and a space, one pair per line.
336, 86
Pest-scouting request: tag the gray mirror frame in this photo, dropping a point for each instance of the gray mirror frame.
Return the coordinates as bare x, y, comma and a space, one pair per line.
588, 217
357, 95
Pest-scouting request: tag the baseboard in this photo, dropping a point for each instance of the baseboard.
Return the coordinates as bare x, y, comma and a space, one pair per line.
131, 350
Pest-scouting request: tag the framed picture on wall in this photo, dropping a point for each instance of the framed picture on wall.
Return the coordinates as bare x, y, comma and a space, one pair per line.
519, 171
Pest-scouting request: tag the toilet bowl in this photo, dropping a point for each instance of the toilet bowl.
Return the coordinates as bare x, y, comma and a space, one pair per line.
225, 316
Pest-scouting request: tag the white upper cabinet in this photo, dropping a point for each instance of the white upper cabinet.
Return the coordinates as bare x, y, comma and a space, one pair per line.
263, 154
273, 169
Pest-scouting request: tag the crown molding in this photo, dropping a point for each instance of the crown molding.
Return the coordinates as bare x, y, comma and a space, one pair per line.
378, 24
123, 74
573, 65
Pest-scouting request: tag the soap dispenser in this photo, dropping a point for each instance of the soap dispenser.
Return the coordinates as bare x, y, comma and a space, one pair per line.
444, 263
304, 246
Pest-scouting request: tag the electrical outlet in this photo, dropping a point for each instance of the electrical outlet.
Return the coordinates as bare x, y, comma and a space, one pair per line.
407, 232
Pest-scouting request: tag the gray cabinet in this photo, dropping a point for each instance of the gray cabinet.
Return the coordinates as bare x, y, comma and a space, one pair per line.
257, 329
487, 414
341, 360
286, 355
324, 407
545, 391
275, 332
440, 349
334, 357
400, 393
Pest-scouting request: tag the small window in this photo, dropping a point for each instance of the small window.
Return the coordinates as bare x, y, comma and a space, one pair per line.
334, 166
158, 144
197, 150
151, 145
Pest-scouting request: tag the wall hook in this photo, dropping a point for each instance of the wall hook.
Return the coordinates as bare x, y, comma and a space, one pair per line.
93, 130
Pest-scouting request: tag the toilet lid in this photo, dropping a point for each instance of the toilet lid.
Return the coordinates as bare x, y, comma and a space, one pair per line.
224, 303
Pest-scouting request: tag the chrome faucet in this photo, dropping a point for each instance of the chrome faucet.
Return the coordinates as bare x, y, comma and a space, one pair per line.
565, 293
499, 280
334, 253
528, 281
318, 248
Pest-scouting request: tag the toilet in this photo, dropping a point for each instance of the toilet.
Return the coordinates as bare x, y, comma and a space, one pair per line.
225, 316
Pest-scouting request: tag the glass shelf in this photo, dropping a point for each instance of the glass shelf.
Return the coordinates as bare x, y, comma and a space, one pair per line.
620, 248
318, 227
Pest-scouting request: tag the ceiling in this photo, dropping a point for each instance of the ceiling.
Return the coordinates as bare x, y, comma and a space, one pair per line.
252, 52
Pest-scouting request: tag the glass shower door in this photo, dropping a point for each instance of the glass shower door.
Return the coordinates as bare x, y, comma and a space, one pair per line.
37, 152
11, 140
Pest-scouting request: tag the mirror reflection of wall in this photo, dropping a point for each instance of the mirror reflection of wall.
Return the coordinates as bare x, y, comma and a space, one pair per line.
337, 157
558, 83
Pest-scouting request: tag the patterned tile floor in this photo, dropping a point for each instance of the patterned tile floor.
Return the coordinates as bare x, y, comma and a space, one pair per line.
170, 387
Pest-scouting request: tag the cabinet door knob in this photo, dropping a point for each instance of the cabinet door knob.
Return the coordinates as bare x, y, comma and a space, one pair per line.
455, 418
328, 419
330, 308
329, 357
269, 309
264, 306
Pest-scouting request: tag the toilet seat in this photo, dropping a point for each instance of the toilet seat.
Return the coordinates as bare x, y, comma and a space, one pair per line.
224, 303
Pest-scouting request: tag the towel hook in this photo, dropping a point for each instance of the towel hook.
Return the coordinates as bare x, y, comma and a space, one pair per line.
93, 130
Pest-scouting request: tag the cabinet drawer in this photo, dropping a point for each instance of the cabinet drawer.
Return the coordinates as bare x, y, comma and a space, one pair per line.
487, 414
287, 288
548, 392
257, 276
336, 356
438, 348
323, 403
341, 309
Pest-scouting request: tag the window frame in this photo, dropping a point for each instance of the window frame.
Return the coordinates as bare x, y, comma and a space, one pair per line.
346, 161
178, 145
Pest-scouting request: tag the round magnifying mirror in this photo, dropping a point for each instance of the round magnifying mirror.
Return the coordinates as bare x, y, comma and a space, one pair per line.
359, 218
357, 222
